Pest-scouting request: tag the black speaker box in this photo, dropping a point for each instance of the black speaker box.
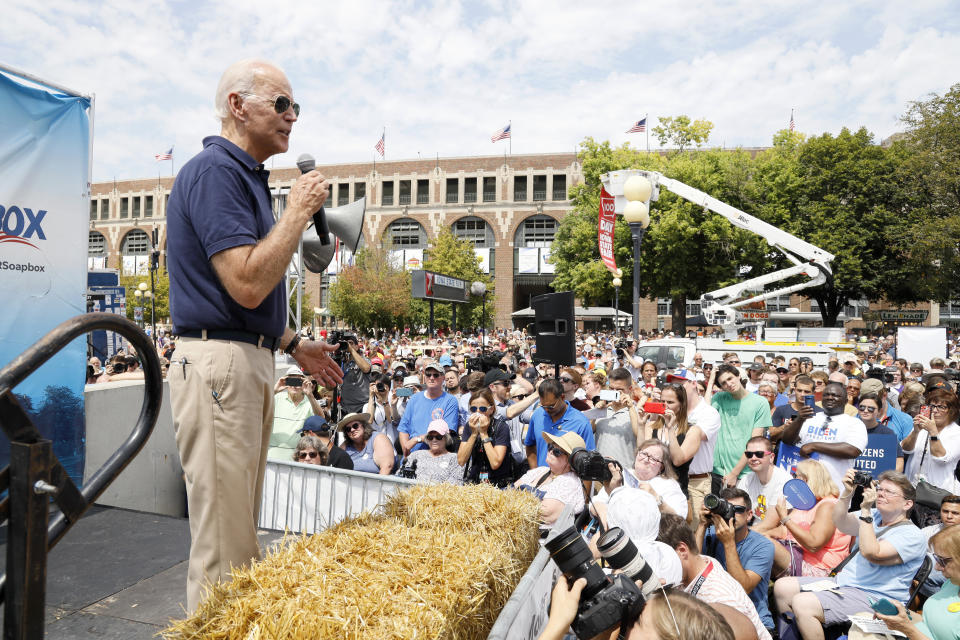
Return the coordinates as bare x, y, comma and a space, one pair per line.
555, 328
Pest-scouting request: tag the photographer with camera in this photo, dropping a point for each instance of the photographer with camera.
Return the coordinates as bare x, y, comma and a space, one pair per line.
355, 388
618, 432
837, 437
292, 405
889, 552
934, 441
378, 407
723, 532
704, 577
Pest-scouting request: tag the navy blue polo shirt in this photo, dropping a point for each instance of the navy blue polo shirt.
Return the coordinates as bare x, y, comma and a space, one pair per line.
220, 200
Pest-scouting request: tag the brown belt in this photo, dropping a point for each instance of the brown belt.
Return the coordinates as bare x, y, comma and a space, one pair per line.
694, 476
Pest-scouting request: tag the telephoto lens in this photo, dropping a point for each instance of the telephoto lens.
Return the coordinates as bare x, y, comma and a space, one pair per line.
575, 560
718, 506
618, 550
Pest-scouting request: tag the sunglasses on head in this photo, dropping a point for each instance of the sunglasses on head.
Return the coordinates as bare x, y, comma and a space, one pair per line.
433, 436
480, 409
303, 455
280, 104
754, 454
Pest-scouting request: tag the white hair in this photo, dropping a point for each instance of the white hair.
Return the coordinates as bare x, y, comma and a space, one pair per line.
240, 77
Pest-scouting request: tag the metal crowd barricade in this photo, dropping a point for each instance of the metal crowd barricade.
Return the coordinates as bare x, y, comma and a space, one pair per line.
306, 498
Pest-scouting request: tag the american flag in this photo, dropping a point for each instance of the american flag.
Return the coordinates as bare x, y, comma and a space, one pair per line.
166, 155
639, 127
380, 143
791, 120
501, 134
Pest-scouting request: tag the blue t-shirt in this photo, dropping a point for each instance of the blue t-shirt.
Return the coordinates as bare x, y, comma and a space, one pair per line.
571, 420
421, 411
900, 422
890, 581
220, 200
756, 554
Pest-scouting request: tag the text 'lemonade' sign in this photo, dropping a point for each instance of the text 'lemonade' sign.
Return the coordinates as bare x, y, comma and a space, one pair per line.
606, 223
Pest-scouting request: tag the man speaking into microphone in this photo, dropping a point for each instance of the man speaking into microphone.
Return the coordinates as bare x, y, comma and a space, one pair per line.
227, 261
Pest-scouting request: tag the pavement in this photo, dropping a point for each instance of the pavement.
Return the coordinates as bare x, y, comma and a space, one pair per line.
118, 574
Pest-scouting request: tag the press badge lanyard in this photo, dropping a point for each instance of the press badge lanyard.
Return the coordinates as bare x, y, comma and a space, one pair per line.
703, 578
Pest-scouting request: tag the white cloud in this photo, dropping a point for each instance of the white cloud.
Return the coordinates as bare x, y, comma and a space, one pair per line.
442, 76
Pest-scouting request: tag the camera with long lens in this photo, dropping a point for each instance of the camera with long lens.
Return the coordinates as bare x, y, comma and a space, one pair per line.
607, 600
591, 465
484, 362
719, 507
862, 478
883, 374
341, 338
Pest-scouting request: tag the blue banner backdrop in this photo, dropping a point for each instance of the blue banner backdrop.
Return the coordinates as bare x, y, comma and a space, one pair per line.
44, 205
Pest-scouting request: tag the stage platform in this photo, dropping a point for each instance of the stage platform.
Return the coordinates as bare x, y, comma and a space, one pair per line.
118, 574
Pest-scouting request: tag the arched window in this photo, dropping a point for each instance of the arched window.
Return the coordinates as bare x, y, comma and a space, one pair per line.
536, 231
135, 252
474, 229
405, 233
96, 245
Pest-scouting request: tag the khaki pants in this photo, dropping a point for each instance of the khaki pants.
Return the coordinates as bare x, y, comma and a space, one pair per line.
222, 402
697, 488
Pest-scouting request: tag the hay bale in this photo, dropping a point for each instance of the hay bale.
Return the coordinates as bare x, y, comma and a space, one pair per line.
434, 562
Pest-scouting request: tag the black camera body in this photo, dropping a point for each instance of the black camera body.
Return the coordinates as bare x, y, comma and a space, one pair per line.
883, 374
484, 362
607, 600
341, 338
862, 478
719, 507
408, 470
591, 465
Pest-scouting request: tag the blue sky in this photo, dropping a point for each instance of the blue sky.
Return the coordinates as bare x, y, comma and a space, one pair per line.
442, 76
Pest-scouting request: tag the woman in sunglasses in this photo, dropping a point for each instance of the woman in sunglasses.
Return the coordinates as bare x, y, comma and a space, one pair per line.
935, 441
556, 484
435, 463
370, 451
571, 381
654, 473
940, 609
310, 450
485, 442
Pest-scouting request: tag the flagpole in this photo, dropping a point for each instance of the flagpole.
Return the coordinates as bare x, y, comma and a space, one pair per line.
646, 129
510, 126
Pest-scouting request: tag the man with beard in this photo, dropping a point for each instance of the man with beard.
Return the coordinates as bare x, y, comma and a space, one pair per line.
835, 436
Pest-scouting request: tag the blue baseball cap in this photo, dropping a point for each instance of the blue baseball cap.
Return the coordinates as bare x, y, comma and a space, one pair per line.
317, 424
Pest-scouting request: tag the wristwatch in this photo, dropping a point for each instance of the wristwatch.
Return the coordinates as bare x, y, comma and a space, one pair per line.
934, 438
485, 440
867, 519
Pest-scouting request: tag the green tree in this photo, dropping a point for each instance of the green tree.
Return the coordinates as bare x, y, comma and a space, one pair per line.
848, 196
682, 132
454, 257
372, 294
161, 292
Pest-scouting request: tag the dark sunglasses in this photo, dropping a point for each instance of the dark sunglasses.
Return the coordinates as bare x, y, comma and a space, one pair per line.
280, 104
739, 508
754, 454
557, 451
480, 409
566, 379
433, 436
304, 454
355, 425
432, 374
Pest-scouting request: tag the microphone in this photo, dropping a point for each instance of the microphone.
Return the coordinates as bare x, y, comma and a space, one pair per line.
306, 164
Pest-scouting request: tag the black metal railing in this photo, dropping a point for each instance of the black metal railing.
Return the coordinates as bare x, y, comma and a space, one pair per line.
35, 475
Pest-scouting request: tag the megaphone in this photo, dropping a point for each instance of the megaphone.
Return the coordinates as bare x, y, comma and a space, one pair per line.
346, 223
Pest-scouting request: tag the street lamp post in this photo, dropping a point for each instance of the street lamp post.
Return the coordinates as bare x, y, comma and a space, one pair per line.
138, 310
616, 305
480, 289
636, 213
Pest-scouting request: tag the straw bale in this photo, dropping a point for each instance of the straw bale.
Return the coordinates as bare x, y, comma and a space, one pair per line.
434, 562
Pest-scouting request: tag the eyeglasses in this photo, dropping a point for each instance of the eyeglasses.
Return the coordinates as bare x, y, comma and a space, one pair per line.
942, 561
432, 374
480, 409
938, 407
868, 409
557, 451
280, 104
646, 457
888, 492
735, 362
434, 436
566, 380
755, 454
355, 425
303, 455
